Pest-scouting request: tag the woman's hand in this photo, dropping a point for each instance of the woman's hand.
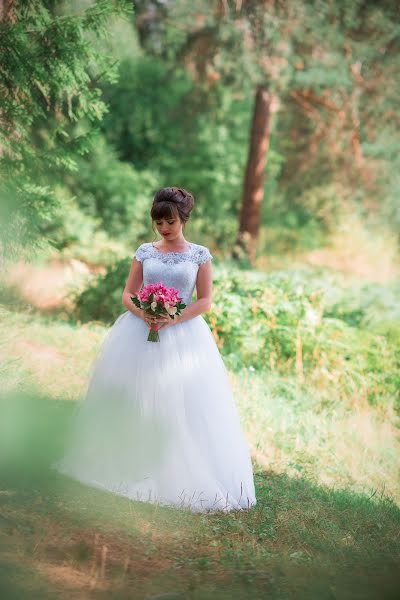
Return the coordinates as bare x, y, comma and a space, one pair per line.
162, 320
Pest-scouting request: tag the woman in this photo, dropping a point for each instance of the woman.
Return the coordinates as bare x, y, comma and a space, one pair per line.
159, 423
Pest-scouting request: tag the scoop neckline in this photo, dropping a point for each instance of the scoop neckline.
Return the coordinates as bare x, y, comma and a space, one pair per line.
161, 252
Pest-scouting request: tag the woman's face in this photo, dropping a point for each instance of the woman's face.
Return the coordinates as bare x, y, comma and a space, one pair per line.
170, 228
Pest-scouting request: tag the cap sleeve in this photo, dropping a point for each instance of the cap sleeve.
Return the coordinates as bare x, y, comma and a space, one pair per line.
140, 253
203, 255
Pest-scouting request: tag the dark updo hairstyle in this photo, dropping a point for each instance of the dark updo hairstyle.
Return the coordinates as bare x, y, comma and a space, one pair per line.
172, 202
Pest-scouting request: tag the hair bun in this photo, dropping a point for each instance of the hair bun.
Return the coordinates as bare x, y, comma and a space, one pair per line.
179, 197
170, 194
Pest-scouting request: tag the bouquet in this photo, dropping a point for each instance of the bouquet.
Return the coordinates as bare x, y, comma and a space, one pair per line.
157, 299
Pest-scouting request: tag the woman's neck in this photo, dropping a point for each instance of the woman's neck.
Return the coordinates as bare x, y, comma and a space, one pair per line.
178, 244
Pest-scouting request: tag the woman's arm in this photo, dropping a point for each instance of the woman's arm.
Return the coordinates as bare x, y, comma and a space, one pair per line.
204, 295
132, 287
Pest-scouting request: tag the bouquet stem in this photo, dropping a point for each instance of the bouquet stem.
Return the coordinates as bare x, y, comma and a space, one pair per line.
153, 333
156, 299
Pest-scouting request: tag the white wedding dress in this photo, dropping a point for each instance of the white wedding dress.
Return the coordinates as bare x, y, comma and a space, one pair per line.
159, 422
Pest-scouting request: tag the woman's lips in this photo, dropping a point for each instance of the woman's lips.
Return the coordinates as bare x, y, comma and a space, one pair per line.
165, 233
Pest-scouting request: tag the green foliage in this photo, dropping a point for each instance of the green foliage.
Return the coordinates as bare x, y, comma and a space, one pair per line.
158, 124
144, 105
282, 321
113, 193
78, 235
47, 87
334, 123
293, 323
315, 214
25, 206
367, 305
46, 78
102, 299
174, 97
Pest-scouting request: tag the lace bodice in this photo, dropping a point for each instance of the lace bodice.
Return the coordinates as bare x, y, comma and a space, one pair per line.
174, 269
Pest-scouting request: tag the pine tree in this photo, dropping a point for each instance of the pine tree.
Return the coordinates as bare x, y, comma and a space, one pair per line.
50, 104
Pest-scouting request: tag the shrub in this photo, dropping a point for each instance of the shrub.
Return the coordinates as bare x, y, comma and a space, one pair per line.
289, 322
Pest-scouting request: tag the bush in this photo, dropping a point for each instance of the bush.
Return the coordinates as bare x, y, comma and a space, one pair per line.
101, 300
288, 322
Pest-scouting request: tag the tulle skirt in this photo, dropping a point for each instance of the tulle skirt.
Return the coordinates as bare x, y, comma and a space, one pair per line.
159, 423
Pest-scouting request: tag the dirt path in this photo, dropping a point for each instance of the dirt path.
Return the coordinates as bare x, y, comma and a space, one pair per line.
47, 286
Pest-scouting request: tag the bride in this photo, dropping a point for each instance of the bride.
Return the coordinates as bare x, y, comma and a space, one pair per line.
159, 423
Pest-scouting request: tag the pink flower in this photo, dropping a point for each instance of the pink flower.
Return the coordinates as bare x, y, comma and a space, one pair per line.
166, 298
160, 293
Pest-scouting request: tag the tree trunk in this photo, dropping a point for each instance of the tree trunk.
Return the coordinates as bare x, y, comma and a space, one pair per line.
6, 10
253, 188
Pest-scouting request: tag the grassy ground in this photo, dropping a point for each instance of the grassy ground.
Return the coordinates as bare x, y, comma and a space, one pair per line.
326, 524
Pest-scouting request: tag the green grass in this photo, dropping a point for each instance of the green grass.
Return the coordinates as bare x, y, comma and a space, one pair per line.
295, 431
326, 524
